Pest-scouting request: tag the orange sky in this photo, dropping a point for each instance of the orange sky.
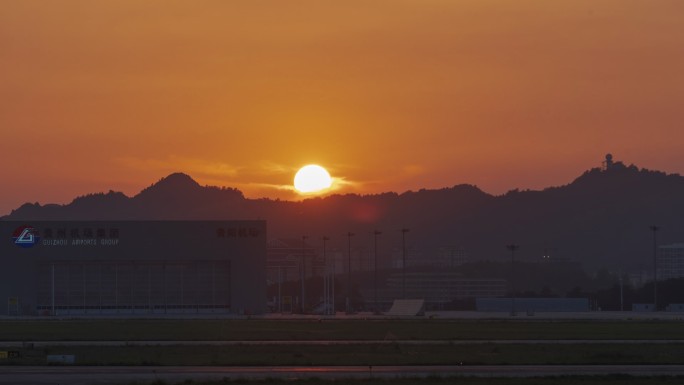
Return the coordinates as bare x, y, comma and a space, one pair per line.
388, 95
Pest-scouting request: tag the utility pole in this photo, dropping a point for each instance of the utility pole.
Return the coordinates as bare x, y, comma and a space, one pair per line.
655, 229
375, 270
303, 264
348, 304
512, 247
403, 262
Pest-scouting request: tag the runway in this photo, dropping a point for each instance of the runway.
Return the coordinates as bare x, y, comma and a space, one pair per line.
82, 375
37, 344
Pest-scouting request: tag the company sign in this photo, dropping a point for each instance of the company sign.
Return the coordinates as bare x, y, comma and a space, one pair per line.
29, 236
25, 236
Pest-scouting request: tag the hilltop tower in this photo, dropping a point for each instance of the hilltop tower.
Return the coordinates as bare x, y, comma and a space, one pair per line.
608, 163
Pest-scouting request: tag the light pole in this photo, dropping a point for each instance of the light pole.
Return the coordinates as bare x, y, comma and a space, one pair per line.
621, 296
375, 270
348, 304
280, 293
304, 237
403, 262
655, 229
326, 279
512, 247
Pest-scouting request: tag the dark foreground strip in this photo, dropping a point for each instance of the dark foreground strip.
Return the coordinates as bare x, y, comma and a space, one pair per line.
81, 375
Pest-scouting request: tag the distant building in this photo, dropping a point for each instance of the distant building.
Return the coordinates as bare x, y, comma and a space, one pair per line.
413, 258
450, 256
445, 256
439, 287
640, 278
670, 261
337, 260
284, 260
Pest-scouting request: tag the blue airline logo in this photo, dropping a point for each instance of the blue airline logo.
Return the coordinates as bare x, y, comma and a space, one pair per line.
25, 236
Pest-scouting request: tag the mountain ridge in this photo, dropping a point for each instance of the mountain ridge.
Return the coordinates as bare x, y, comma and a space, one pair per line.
601, 218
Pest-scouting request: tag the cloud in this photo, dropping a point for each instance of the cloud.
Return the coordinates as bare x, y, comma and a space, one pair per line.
253, 181
269, 167
192, 166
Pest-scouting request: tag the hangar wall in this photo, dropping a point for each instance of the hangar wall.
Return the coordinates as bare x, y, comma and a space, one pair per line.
132, 267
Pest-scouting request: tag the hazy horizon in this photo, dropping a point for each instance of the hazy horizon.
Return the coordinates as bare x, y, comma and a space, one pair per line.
388, 96
302, 197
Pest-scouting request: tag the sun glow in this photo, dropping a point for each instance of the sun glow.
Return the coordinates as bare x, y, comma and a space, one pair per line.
312, 179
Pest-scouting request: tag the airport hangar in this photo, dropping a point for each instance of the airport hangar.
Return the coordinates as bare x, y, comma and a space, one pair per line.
132, 267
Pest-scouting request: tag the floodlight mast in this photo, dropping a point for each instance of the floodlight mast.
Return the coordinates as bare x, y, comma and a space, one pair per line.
348, 304
375, 271
403, 262
326, 281
303, 264
512, 247
655, 230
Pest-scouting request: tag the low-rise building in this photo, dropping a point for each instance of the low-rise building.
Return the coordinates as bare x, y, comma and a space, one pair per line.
670, 261
436, 287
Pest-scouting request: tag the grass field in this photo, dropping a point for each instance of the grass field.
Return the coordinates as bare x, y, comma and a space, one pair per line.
569, 380
284, 330
353, 354
393, 354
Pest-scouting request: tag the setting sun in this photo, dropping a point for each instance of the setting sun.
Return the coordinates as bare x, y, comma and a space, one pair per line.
311, 179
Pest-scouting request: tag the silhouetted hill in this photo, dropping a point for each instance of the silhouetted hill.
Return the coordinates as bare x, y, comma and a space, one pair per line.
176, 196
174, 185
600, 219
